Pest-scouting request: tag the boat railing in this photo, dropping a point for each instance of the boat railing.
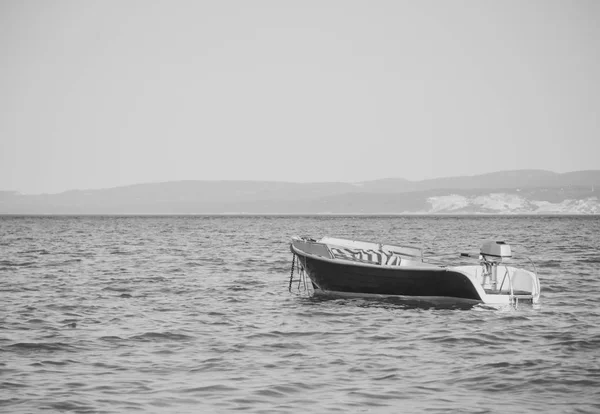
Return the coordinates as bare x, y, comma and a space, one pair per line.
476, 256
442, 257
510, 282
537, 280
462, 258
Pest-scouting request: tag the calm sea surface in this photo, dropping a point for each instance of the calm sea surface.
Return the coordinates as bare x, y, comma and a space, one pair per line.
193, 314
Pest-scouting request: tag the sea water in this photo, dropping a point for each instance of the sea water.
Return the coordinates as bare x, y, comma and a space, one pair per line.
193, 314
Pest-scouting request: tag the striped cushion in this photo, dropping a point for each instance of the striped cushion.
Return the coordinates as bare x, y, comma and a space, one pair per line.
370, 256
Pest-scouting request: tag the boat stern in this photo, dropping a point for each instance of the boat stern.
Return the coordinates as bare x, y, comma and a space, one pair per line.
509, 285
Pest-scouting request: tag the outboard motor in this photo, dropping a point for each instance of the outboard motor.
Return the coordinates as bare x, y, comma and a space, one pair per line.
492, 254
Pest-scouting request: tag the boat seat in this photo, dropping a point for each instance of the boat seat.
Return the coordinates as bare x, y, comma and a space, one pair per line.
369, 256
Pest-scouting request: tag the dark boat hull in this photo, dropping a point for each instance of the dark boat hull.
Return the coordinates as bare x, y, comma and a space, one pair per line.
358, 278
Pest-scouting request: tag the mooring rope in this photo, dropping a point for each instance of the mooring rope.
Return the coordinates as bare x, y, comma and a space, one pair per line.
292, 272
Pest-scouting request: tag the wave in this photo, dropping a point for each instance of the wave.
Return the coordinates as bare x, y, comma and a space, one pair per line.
60, 363
42, 346
69, 405
9, 385
216, 388
10, 263
161, 336
63, 263
38, 251
111, 338
124, 289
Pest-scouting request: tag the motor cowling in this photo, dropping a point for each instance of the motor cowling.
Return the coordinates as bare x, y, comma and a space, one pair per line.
495, 251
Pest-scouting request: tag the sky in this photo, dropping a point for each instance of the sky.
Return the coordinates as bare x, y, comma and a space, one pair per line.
99, 94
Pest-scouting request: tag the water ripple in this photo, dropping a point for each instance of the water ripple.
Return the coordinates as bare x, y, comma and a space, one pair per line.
192, 314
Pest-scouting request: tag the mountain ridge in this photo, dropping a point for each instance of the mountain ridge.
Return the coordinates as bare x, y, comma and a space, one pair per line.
503, 192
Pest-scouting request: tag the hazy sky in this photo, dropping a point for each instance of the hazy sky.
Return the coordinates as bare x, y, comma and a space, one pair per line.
98, 94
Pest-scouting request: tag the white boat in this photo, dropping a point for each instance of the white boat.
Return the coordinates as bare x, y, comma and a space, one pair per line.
348, 267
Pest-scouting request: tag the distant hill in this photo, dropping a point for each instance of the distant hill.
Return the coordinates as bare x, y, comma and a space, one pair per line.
505, 192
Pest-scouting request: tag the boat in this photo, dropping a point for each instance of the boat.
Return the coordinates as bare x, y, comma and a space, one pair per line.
357, 268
